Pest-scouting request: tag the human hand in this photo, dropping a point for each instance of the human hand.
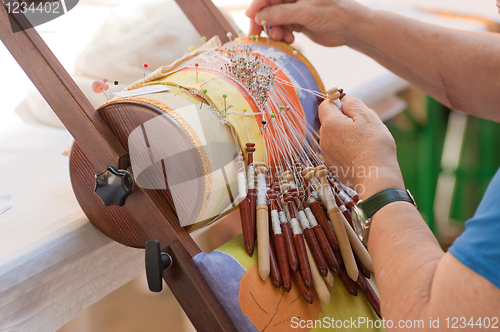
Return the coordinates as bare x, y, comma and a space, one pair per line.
327, 22
358, 147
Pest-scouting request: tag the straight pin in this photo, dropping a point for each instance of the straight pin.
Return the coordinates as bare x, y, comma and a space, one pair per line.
144, 75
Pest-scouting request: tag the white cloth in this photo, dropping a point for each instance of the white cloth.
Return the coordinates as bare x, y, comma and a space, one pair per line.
53, 262
155, 32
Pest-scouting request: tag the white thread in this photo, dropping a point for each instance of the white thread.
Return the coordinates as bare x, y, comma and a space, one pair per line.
348, 190
261, 189
287, 213
242, 185
328, 198
282, 217
251, 177
344, 197
275, 222
317, 186
303, 219
295, 226
311, 217
314, 195
342, 208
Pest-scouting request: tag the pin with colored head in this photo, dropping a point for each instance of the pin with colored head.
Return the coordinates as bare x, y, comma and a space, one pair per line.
144, 75
196, 66
101, 86
229, 36
204, 39
118, 84
204, 92
225, 107
191, 48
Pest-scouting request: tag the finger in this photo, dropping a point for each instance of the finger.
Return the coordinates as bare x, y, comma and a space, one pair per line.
257, 5
277, 33
327, 111
282, 14
255, 29
288, 37
355, 108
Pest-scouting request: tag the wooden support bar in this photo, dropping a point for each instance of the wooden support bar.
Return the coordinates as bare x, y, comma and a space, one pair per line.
191, 290
207, 18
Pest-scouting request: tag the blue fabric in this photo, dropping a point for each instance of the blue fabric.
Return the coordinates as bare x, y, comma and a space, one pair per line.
223, 274
479, 245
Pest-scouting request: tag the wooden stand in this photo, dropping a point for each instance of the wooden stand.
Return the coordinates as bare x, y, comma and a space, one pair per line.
145, 214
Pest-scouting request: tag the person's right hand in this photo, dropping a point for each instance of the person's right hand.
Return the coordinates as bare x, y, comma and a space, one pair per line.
327, 22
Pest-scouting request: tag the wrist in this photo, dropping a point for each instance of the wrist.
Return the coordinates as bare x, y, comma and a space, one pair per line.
359, 24
379, 179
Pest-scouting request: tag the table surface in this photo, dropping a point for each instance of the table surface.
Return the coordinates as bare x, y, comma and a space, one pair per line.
53, 262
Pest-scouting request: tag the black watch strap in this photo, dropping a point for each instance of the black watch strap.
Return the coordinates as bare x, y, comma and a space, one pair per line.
384, 197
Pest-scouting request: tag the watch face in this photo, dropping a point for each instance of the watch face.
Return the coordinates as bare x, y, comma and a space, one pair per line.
359, 221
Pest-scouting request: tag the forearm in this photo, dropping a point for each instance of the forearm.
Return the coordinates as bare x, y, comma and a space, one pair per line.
405, 257
460, 69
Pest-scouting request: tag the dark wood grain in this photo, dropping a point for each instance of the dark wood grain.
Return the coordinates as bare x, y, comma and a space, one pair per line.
193, 293
322, 219
304, 267
273, 263
290, 247
206, 18
146, 214
328, 254
316, 251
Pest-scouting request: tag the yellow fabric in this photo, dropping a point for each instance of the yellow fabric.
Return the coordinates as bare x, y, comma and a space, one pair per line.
276, 307
217, 86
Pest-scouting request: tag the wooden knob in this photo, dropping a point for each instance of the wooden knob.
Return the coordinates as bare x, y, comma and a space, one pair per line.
288, 198
321, 173
260, 169
306, 170
271, 194
332, 91
309, 175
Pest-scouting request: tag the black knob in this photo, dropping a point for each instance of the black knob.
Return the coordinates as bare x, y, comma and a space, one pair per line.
113, 187
156, 262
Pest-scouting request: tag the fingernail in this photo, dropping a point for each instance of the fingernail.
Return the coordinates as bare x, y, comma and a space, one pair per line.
263, 15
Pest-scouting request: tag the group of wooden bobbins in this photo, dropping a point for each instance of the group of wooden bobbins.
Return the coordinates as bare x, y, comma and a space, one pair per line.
303, 228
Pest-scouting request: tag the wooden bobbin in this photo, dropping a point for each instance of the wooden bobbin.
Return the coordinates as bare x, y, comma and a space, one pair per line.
263, 241
300, 246
263, 230
280, 247
306, 292
251, 194
333, 93
336, 218
358, 247
274, 267
319, 283
329, 279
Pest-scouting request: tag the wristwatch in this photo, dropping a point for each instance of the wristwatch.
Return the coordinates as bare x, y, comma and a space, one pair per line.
363, 211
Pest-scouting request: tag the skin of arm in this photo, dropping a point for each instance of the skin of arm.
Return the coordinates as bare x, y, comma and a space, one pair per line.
458, 68
416, 279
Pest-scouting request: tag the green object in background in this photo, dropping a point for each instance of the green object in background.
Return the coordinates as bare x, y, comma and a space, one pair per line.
420, 146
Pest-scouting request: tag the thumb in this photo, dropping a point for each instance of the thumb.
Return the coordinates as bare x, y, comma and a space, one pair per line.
329, 112
282, 14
